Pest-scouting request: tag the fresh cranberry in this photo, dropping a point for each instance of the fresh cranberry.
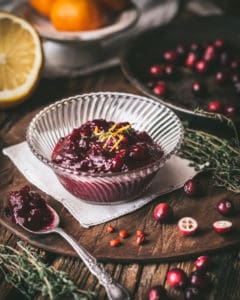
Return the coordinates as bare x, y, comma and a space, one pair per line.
191, 187
210, 53
163, 213
192, 293
157, 292
234, 64
225, 207
117, 163
176, 278
229, 111
201, 66
202, 262
221, 77
224, 58
235, 78
222, 226
214, 106
199, 279
170, 56
156, 70
191, 59
170, 71
219, 43
160, 88
138, 151
197, 88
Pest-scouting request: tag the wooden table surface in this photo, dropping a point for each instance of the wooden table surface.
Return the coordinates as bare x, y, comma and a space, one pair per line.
137, 278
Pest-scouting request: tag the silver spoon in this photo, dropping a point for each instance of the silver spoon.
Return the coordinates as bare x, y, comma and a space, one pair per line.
115, 291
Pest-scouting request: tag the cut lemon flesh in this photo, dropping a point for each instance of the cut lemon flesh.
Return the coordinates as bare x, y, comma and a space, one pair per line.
20, 59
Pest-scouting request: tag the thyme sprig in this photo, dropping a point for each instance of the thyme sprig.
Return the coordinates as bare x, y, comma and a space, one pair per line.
216, 155
26, 271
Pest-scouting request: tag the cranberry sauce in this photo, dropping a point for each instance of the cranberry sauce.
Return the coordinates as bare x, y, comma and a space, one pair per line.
100, 146
29, 209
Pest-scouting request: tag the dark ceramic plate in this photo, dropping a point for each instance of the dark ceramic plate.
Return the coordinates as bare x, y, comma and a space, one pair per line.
149, 47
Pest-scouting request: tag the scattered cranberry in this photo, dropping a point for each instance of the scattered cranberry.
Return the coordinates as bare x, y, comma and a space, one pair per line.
229, 111
214, 106
222, 227
221, 78
234, 64
123, 234
169, 71
225, 207
115, 243
210, 53
187, 226
140, 239
170, 56
110, 229
191, 59
160, 88
235, 78
156, 70
197, 88
117, 163
192, 293
163, 213
191, 187
202, 262
139, 233
199, 279
201, 66
157, 292
176, 278
219, 43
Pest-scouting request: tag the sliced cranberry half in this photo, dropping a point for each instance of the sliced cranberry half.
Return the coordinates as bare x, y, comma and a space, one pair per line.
187, 226
222, 227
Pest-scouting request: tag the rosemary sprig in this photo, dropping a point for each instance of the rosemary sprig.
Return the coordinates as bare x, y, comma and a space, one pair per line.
216, 154
26, 271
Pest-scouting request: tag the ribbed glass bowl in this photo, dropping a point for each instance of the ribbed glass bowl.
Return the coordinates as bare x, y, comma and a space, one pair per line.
58, 120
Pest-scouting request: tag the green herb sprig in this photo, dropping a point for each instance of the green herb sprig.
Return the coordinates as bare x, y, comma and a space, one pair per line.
216, 155
27, 272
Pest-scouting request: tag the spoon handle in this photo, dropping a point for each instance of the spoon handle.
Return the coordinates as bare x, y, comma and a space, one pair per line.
115, 291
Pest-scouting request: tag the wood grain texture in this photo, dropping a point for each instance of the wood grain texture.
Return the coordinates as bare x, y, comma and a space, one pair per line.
138, 277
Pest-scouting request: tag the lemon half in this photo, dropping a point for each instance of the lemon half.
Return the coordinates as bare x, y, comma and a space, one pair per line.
20, 59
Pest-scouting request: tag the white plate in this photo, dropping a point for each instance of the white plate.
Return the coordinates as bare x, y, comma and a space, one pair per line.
120, 22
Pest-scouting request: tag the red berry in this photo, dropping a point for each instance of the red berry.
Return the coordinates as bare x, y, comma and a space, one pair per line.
156, 70
140, 239
222, 227
202, 262
115, 243
197, 88
123, 234
117, 163
170, 56
191, 187
221, 78
201, 66
110, 229
234, 64
176, 278
191, 59
225, 207
199, 279
214, 106
160, 88
219, 43
163, 213
169, 71
229, 111
157, 292
210, 53
187, 226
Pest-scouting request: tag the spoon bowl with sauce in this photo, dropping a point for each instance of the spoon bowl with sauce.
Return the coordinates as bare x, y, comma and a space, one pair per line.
30, 211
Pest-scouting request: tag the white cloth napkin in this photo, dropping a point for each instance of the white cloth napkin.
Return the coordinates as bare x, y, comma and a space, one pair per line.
170, 177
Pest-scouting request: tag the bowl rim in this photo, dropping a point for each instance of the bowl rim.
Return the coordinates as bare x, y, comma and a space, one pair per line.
160, 161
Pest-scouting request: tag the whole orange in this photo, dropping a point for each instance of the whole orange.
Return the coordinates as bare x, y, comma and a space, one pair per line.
76, 15
42, 6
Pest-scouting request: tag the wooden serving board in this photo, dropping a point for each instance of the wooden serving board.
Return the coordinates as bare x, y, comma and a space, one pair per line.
163, 242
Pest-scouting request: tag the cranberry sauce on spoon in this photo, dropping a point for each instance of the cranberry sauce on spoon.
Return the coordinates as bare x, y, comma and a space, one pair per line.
30, 210
101, 146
